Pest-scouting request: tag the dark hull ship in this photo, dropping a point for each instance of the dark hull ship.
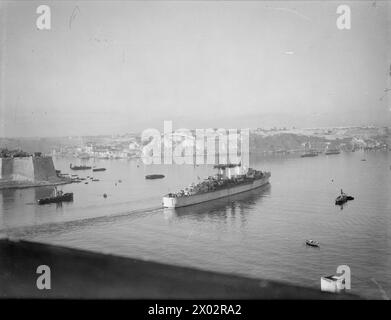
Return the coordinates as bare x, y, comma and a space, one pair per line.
57, 198
154, 176
343, 198
79, 167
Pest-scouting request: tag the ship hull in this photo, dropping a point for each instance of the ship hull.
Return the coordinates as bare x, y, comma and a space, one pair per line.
64, 198
184, 201
332, 152
80, 168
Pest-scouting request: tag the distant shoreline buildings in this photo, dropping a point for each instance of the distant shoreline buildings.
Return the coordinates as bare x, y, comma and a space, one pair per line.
277, 141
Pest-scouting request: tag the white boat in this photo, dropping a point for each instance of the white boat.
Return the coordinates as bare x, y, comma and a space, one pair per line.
333, 283
224, 184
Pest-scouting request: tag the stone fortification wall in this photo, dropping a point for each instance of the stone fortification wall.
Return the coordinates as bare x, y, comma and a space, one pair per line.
27, 169
44, 169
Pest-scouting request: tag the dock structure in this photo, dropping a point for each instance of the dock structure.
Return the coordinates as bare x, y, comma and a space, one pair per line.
83, 274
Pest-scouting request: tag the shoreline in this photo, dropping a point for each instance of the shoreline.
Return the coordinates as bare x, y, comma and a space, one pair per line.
31, 184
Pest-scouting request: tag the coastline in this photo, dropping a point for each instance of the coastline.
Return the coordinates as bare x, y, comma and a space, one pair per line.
31, 184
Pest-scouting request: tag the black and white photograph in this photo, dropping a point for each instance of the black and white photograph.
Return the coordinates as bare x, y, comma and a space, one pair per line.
195, 150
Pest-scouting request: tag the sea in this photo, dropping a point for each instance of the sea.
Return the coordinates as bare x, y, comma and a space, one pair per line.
258, 234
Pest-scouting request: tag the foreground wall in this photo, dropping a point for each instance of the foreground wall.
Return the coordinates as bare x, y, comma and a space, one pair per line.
85, 274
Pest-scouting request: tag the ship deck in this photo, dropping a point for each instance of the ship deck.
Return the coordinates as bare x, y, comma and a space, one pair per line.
229, 186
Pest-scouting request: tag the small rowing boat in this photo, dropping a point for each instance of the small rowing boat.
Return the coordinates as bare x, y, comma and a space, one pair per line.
57, 197
312, 243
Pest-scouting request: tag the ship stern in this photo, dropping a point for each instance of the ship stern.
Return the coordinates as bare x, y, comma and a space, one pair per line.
169, 202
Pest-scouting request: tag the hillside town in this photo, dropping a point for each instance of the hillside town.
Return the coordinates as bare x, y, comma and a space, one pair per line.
262, 141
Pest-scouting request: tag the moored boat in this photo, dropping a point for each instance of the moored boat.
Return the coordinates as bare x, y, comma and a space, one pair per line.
311, 153
331, 150
308, 151
99, 169
79, 167
57, 197
154, 176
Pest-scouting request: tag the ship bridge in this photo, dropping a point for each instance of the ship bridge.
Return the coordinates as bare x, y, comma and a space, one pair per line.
228, 170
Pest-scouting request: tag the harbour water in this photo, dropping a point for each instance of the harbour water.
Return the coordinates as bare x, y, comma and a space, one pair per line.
259, 234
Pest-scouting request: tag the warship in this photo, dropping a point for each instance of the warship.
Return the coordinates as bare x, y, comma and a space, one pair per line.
229, 180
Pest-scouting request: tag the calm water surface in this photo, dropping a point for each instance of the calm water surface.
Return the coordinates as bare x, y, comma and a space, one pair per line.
258, 234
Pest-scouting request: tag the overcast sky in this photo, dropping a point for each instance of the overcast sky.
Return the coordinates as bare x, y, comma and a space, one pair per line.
115, 67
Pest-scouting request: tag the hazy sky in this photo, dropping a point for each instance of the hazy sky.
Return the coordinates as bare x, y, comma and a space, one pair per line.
115, 67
